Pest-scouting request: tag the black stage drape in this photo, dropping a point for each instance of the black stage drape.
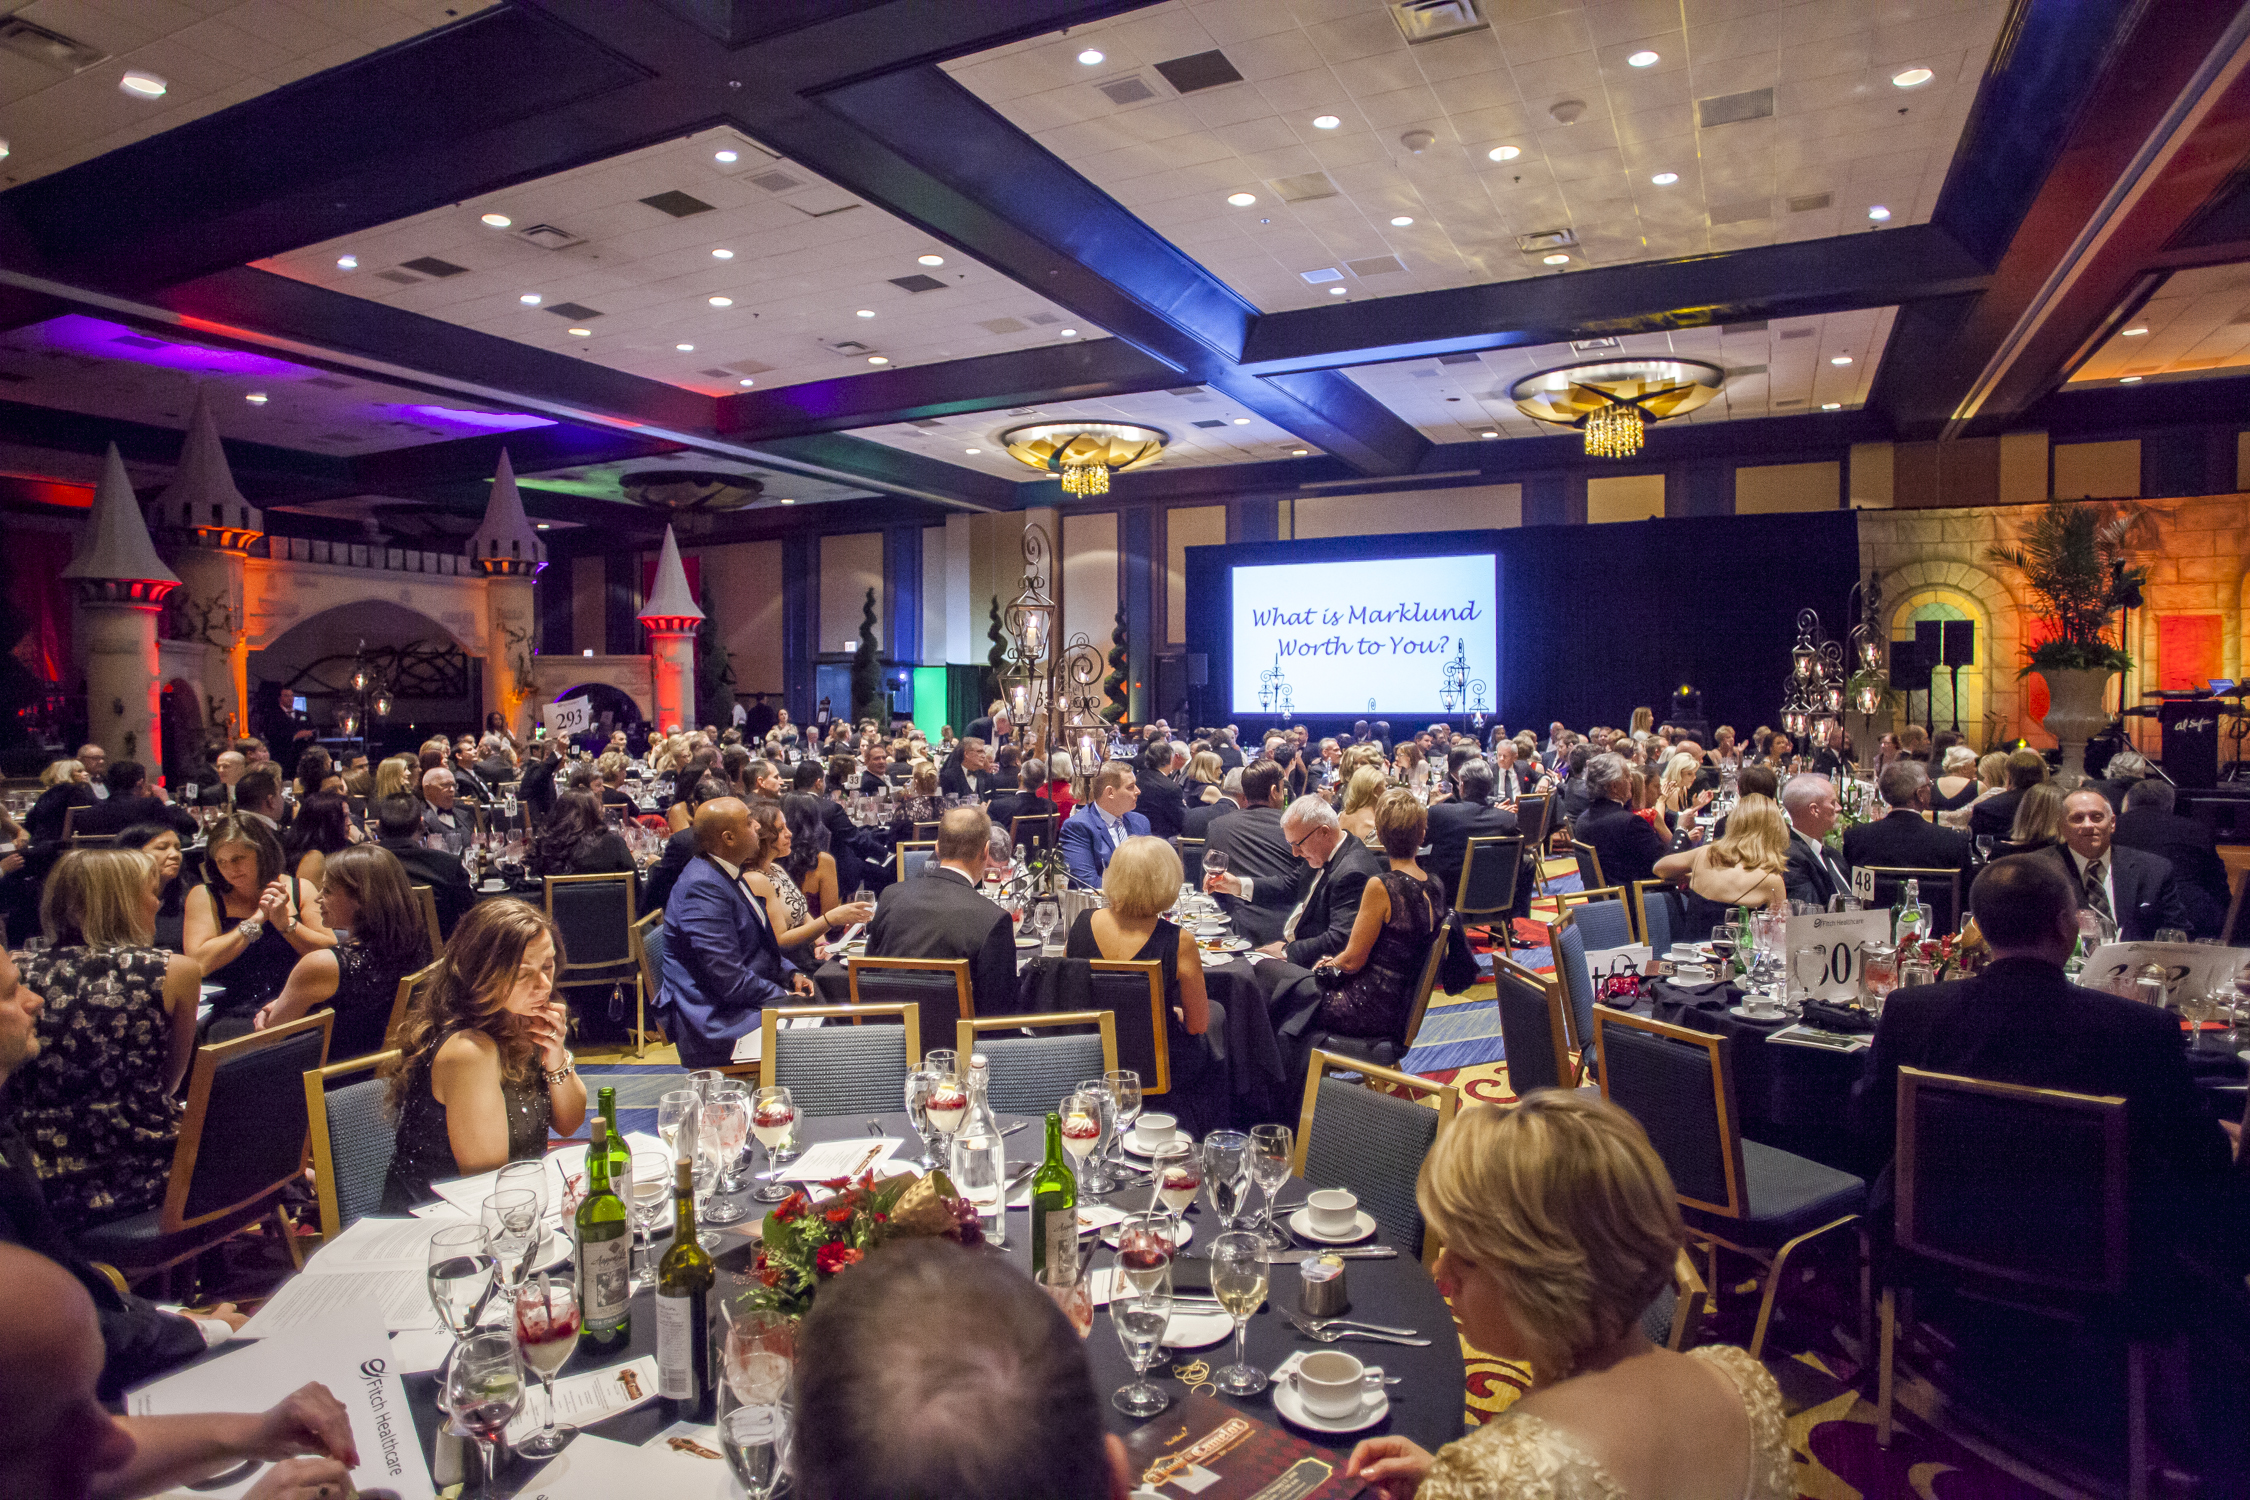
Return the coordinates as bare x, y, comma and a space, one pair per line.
1596, 621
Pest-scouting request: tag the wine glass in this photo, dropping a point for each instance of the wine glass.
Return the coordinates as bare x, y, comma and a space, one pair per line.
1100, 1179
1226, 1174
546, 1333
1214, 867
942, 1060
753, 1414
1082, 1130
1723, 943
725, 1121
702, 1080
460, 1276
674, 1110
730, 1175
1139, 1321
1271, 1147
651, 1196
1238, 1280
1144, 1251
512, 1226
525, 1177
484, 1391
1176, 1171
773, 1120
919, 1085
1124, 1087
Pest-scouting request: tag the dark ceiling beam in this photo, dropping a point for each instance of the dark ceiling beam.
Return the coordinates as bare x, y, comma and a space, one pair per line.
2105, 163
533, 450
1088, 370
260, 469
767, 523
1802, 278
2099, 410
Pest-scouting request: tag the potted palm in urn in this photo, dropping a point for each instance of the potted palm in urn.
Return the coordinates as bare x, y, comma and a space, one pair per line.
2075, 558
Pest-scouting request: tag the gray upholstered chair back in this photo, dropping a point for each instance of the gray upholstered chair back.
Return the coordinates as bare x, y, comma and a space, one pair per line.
1603, 924
1663, 916
1489, 870
1031, 1075
834, 1070
1372, 1144
1537, 1057
1666, 1084
1569, 949
361, 1141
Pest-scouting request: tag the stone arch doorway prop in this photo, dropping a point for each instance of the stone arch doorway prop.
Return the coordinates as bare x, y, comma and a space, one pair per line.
436, 670
615, 702
1992, 704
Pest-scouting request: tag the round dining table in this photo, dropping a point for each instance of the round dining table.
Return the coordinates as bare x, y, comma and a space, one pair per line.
1427, 1403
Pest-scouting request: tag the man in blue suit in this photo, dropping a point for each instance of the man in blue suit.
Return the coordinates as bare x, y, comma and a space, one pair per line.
721, 964
1095, 831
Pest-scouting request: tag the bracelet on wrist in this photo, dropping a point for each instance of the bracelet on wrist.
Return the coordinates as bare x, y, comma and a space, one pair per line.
563, 1074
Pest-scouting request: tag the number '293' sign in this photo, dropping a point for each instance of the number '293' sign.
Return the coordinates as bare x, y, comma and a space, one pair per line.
1824, 951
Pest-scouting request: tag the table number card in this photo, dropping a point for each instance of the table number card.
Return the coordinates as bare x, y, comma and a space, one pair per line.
2189, 968
1824, 951
1863, 885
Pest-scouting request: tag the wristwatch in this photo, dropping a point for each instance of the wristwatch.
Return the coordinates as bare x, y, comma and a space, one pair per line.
569, 1069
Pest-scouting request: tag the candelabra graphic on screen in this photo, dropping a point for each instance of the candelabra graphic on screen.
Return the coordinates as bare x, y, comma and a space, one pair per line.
1274, 693
1458, 690
1815, 689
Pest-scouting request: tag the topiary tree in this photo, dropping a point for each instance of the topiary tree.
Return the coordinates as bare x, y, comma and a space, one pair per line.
1116, 686
867, 671
995, 660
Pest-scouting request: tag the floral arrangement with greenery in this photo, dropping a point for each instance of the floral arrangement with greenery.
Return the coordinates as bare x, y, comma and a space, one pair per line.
808, 1241
2075, 557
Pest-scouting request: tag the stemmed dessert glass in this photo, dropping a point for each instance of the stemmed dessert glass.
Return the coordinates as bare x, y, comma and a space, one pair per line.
1100, 1179
1175, 1170
773, 1120
1140, 1305
546, 1332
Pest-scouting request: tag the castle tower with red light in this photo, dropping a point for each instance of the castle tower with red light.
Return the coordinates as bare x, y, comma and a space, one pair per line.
210, 529
507, 552
121, 584
671, 616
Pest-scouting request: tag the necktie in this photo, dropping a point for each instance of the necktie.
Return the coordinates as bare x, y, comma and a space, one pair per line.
2097, 891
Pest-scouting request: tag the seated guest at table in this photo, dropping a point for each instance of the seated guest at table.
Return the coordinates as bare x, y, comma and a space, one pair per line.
313, 767
1401, 911
449, 826
1094, 832
1560, 1225
2134, 892
934, 1370
1320, 897
1029, 800
722, 966
364, 893
248, 923
2081, 1040
1472, 815
321, 829
1745, 866
796, 879
1675, 788
494, 765
968, 771
67, 785
920, 803
657, 886
1253, 844
610, 767
1204, 776
131, 800
1629, 847
1005, 761
577, 840
1576, 795
1407, 762
1512, 773
1162, 801
395, 776
464, 767
537, 787
1816, 872
1905, 839
96, 1101
810, 779
161, 843
1955, 785
1064, 785
1203, 815
2150, 825
257, 797
484, 1070
764, 778
398, 826
2039, 819
1357, 814
1992, 816
876, 780
945, 914
1142, 881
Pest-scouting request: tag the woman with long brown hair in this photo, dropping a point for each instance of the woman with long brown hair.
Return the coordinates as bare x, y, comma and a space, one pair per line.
576, 839
483, 1073
367, 899
248, 923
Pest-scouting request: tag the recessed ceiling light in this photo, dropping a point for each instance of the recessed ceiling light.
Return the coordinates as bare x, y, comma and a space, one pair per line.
1242, 421
539, 525
1841, 359
720, 301
2127, 380
1643, 60
1504, 153
1878, 213
1831, 406
746, 380
1492, 434
865, 312
1242, 200
725, 156
347, 262
2134, 333
1325, 122
877, 359
685, 348
143, 84
256, 398
1557, 259
1402, 221
722, 255
529, 299
1338, 291
1912, 78
785, 500
3, 151
498, 221
582, 333
972, 452
929, 260
1091, 57
1665, 179
1299, 452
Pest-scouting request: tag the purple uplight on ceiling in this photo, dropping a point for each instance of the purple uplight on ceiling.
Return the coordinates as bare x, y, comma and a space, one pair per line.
473, 421
75, 333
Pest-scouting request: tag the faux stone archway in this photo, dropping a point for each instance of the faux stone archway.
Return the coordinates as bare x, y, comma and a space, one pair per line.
1997, 615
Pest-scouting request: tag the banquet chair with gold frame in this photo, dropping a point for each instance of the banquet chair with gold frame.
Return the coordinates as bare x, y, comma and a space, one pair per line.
1589, 865
1660, 915
595, 915
1191, 859
1030, 1074
410, 987
425, 901
834, 1069
938, 988
1941, 891
1134, 991
1535, 813
351, 1140
915, 856
1534, 1033
1605, 918
1485, 895
1032, 830
1366, 1137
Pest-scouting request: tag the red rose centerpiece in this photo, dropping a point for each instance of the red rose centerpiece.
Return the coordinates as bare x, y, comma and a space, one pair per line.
806, 1241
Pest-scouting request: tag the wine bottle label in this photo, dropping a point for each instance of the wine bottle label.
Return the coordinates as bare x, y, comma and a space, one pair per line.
606, 1280
682, 1334
1062, 1239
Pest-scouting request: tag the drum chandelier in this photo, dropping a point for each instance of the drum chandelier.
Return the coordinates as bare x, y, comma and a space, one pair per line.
1613, 401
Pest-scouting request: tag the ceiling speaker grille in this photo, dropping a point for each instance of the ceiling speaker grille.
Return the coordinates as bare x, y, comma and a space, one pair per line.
1303, 188
918, 283
679, 205
575, 311
1003, 325
1375, 265
1127, 91
1807, 202
1733, 109
1199, 70
430, 265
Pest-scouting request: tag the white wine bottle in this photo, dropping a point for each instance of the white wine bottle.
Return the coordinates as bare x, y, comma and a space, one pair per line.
684, 1368
1054, 1207
605, 1253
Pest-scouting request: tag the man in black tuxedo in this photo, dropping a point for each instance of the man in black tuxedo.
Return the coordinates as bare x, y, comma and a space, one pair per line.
1472, 815
1028, 800
2020, 1021
1576, 797
1628, 846
1223, 746
943, 913
1906, 839
1201, 816
1816, 872
811, 779
1996, 814
130, 801
1253, 844
1163, 800
2137, 892
399, 822
969, 772
2150, 825
992, 728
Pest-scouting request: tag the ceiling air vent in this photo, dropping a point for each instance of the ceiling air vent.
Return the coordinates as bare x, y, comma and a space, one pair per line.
1042, 319
748, 367
1435, 20
1792, 401
1796, 333
1460, 359
1325, 273
1733, 109
1546, 239
430, 265
1003, 325
548, 237
1126, 91
1185, 390
918, 283
776, 182
679, 205
577, 312
1303, 188
1741, 211
398, 276
851, 348
1805, 203
1593, 346
50, 47
1756, 325
1199, 70
717, 374
1210, 422
1375, 265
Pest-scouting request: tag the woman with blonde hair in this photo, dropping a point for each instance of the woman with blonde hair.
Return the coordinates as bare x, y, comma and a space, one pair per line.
66, 785
96, 1103
1678, 794
397, 777
1361, 793
1204, 775
1745, 868
483, 1072
1954, 783
2039, 818
1992, 779
1140, 881
1560, 1226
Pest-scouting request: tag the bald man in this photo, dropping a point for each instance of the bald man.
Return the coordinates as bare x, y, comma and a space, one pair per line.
722, 966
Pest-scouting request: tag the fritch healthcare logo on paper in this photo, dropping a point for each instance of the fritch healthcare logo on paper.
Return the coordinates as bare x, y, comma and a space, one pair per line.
371, 1371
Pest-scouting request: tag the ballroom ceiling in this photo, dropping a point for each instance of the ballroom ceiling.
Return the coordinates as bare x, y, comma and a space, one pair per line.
1029, 203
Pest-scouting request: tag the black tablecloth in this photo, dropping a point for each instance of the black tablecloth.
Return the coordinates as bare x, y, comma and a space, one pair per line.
1426, 1404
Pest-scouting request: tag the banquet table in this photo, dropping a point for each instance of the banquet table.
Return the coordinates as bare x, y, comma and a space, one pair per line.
1426, 1405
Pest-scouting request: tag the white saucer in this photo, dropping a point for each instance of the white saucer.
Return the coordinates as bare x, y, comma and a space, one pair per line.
1291, 1404
1741, 1014
1363, 1225
1029, 942
1197, 1330
1182, 1232
1134, 1149
1226, 945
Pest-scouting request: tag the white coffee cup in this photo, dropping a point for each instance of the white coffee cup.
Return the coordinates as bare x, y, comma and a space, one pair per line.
1761, 1007
1332, 1211
1333, 1384
1683, 953
1152, 1131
